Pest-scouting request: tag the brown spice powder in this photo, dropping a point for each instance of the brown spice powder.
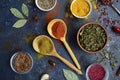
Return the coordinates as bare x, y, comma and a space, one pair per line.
22, 62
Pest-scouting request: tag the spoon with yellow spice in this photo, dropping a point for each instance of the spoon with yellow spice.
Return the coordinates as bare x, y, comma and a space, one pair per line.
44, 46
81, 8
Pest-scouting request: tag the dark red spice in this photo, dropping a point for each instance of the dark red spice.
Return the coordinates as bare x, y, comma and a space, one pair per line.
58, 29
116, 29
50, 15
96, 72
107, 2
107, 20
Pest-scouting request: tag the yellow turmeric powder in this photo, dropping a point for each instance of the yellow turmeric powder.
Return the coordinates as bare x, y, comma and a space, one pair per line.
80, 8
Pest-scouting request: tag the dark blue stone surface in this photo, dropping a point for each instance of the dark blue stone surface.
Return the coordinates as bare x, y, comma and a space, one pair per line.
13, 40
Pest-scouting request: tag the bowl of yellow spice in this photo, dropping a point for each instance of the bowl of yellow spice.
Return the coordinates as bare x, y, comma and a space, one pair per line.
81, 8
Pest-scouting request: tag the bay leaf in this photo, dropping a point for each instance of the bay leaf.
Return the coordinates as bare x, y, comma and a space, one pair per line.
16, 13
25, 10
69, 75
20, 23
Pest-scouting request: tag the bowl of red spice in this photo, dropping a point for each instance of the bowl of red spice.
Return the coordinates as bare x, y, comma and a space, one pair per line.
21, 62
97, 72
45, 5
92, 37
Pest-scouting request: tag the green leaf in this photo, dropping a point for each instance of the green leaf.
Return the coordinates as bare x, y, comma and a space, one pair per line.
16, 13
25, 9
69, 75
20, 23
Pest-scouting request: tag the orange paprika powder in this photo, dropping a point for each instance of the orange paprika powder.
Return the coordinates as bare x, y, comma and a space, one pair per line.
58, 29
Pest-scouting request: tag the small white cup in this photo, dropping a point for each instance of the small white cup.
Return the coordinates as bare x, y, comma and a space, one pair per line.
90, 5
106, 70
36, 1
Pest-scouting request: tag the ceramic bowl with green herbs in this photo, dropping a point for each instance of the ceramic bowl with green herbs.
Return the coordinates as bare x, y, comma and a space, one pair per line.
92, 37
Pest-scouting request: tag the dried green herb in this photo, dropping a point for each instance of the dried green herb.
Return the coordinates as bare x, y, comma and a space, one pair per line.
20, 23
93, 37
107, 56
69, 75
16, 13
25, 9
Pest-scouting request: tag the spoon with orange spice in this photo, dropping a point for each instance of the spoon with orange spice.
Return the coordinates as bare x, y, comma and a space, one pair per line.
57, 29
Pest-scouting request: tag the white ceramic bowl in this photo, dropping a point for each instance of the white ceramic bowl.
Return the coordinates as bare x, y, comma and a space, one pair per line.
90, 5
11, 62
106, 70
36, 1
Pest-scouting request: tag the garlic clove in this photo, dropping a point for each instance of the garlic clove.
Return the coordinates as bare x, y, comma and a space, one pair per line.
45, 77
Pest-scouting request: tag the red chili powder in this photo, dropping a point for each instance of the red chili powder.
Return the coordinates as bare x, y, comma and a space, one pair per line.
58, 29
50, 15
96, 72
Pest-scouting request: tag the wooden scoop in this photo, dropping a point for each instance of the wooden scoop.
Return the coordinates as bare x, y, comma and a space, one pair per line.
53, 53
63, 39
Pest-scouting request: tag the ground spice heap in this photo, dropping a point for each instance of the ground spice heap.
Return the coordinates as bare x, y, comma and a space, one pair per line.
58, 29
46, 4
80, 8
45, 46
22, 62
96, 72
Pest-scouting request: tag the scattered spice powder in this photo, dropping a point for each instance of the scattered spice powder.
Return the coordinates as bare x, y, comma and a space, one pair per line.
107, 2
58, 29
50, 15
22, 62
107, 56
96, 72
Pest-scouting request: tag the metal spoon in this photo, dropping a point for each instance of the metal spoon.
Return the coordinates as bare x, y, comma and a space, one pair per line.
53, 53
63, 39
108, 2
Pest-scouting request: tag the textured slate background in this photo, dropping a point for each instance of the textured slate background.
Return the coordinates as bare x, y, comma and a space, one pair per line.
12, 40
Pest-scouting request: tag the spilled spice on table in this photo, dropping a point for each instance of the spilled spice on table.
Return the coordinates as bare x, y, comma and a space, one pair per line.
68, 13
29, 38
7, 46
50, 15
105, 56
39, 56
94, 4
35, 18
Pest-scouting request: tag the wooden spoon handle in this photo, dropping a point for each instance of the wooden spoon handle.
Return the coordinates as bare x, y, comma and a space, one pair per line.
70, 65
71, 52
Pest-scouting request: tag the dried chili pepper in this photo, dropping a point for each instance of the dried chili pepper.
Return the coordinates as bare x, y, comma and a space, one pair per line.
116, 29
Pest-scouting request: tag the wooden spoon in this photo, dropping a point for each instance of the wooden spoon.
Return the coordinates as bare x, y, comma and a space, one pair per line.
63, 39
53, 53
